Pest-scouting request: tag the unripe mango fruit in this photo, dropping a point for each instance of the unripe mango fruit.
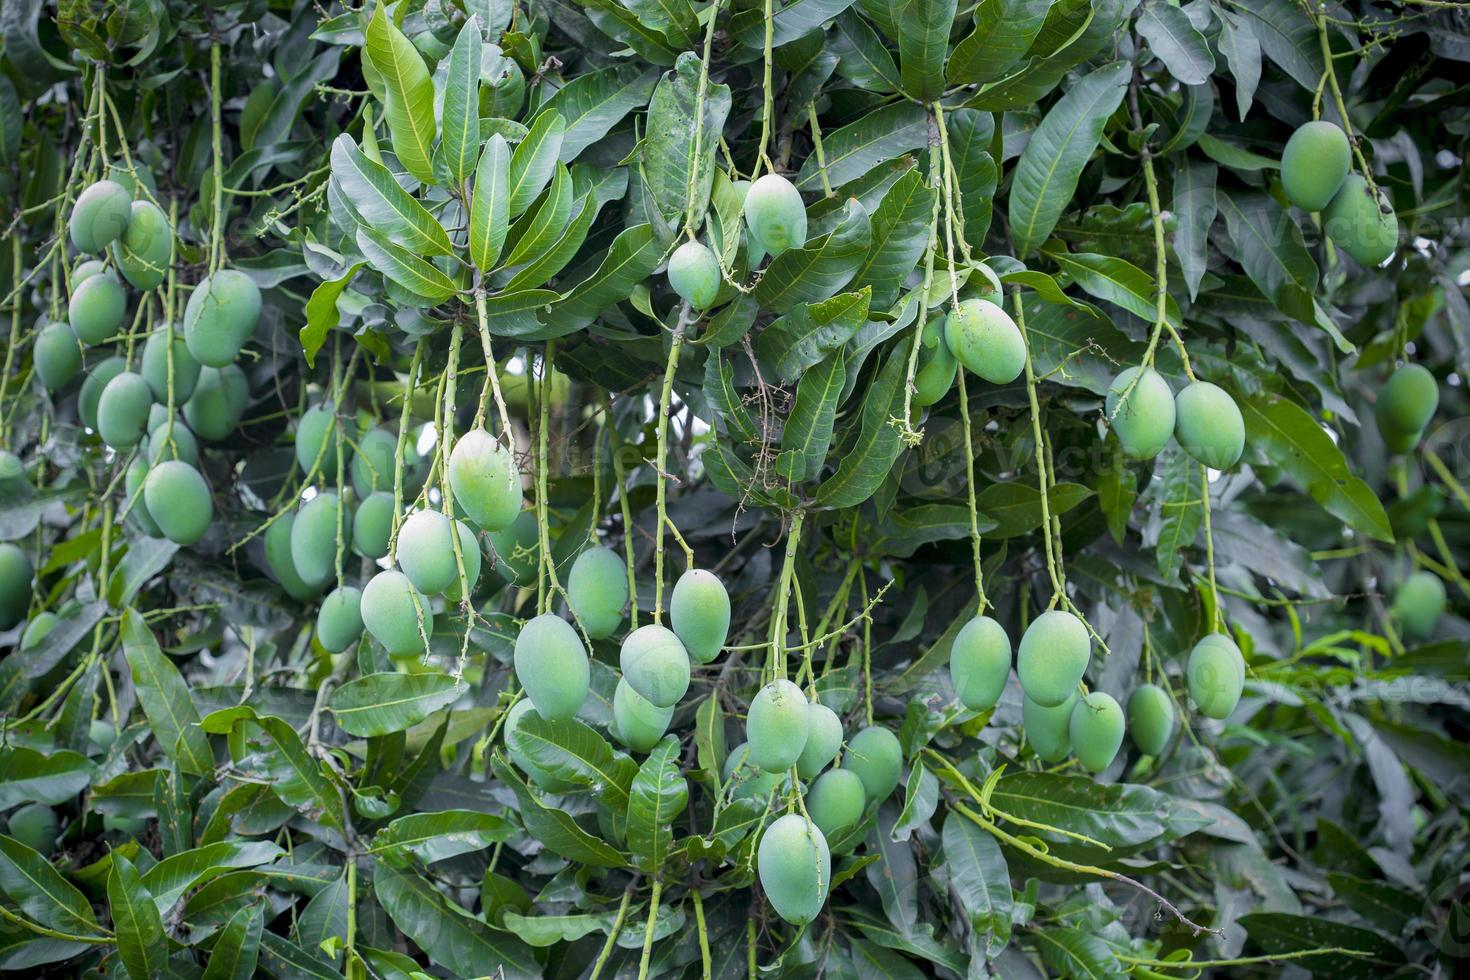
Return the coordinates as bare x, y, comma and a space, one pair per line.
1216, 674
278, 558
485, 481
1405, 406
391, 608
823, 739
775, 214
749, 779
1419, 603
795, 867
986, 341
99, 216
372, 464
836, 801
314, 538
1144, 419
57, 356
597, 589
1096, 730
637, 722
518, 549
15, 584
165, 443
1208, 425
699, 614
937, 365
93, 384
777, 725
134, 483
1150, 718
426, 551
179, 501
316, 442
142, 252
518, 755
1054, 653
551, 664
695, 275
97, 308
1314, 164
35, 825
122, 411
980, 663
220, 316
372, 525
470, 555
876, 757
218, 401
1049, 730
656, 665
1365, 228
339, 620
155, 367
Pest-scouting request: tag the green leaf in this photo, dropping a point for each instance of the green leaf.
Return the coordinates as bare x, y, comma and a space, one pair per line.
460, 139
322, 314
533, 162
981, 879
812, 332
900, 233
922, 45
1115, 281
165, 699
863, 60
575, 753
1073, 953
679, 147
866, 465
631, 259
293, 775
821, 268
1283, 932
1175, 41
709, 738
1194, 203
808, 432
421, 278
28, 776
490, 204
382, 205
141, 943
40, 891
409, 98
281, 957
170, 878
1269, 246
791, 21
442, 834
237, 949
1046, 176
976, 175
538, 229
452, 937
324, 920
858, 147
920, 799
1124, 816
387, 702
557, 829
1288, 38
1004, 30
1181, 511
726, 400
561, 251
658, 795
1242, 53
1016, 507
592, 104
1295, 441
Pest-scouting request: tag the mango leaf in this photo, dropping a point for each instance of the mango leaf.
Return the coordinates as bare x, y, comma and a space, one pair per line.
1004, 30
920, 799
324, 920
791, 21
982, 880
1124, 816
533, 162
409, 102
856, 148
633, 256
1269, 246
293, 775
679, 147
557, 829
141, 943
808, 432
561, 251
40, 891
1116, 281
321, 312
1015, 507
823, 266
1194, 204
381, 204
1296, 442
1288, 38
442, 834
574, 752
592, 104
1172, 37
165, 698
170, 878
1181, 511
922, 45
450, 935
866, 465
658, 795
387, 702
1073, 953
1046, 176
811, 332
460, 136
863, 60
237, 950
490, 204
281, 957
709, 738
900, 233
1242, 53
1283, 932
418, 277
539, 228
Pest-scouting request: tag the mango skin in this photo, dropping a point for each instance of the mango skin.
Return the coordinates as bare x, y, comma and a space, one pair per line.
1208, 425
1054, 654
695, 275
90, 392
836, 801
426, 551
178, 443
97, 308
1405, 406
637, 722
485, 481
1359, 225
1096, 730
1048, 730
518, 549
777, 725
980, 663
143, 251
15, 584
278, 559
314, 538
551, 664
390, 612
1314, 164
1419, 603
57, 356
218, 402
795, 867
316, 442
469, 553
937, 365
745, 778
35, 825
1216, 674
876, 757
699, 614
986, 341
179, 501
339, 620
1150, 718
372, 464
220, 316
372, 525
537, 774
597, 588
134, 484
823, 740
655, 664
775, 214
122, 411
155, 367
1144, 421
99, 216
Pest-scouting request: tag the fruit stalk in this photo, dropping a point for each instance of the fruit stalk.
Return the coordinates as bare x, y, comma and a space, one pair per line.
660, 473
216, 233
492, 376
658, 887
413, 373
14, 341
1051, 561
777, 664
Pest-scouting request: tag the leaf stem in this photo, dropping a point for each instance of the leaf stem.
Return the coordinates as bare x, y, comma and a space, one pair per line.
658, 888
1041, 471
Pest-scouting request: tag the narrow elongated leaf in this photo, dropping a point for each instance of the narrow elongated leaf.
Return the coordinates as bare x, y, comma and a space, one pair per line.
421, 278
1016, 507
592, 104
383, 205
40, 892
854, 149
1175, 41
556, 828
1269, 245
1194, 204
460, 136
490, 205
435, 836
28, 776
387, 702
808, 432
981, 878
574, 752
170, 878
863, 60
658, 795
324, 918
1047, 174
812, 332
679, 147
141, 942
1004, 29
450, 935
900, 233
922, 45
165, 698
866, 465
1288, 38
321, 312
633, 256
1116, 281
292, 774
1243, 54
821, 268
409, 109
538, 229
533, 162
237, 950
1181, 511
791, 21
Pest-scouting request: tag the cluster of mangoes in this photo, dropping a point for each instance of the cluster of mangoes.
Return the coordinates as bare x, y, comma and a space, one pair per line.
1315, 174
